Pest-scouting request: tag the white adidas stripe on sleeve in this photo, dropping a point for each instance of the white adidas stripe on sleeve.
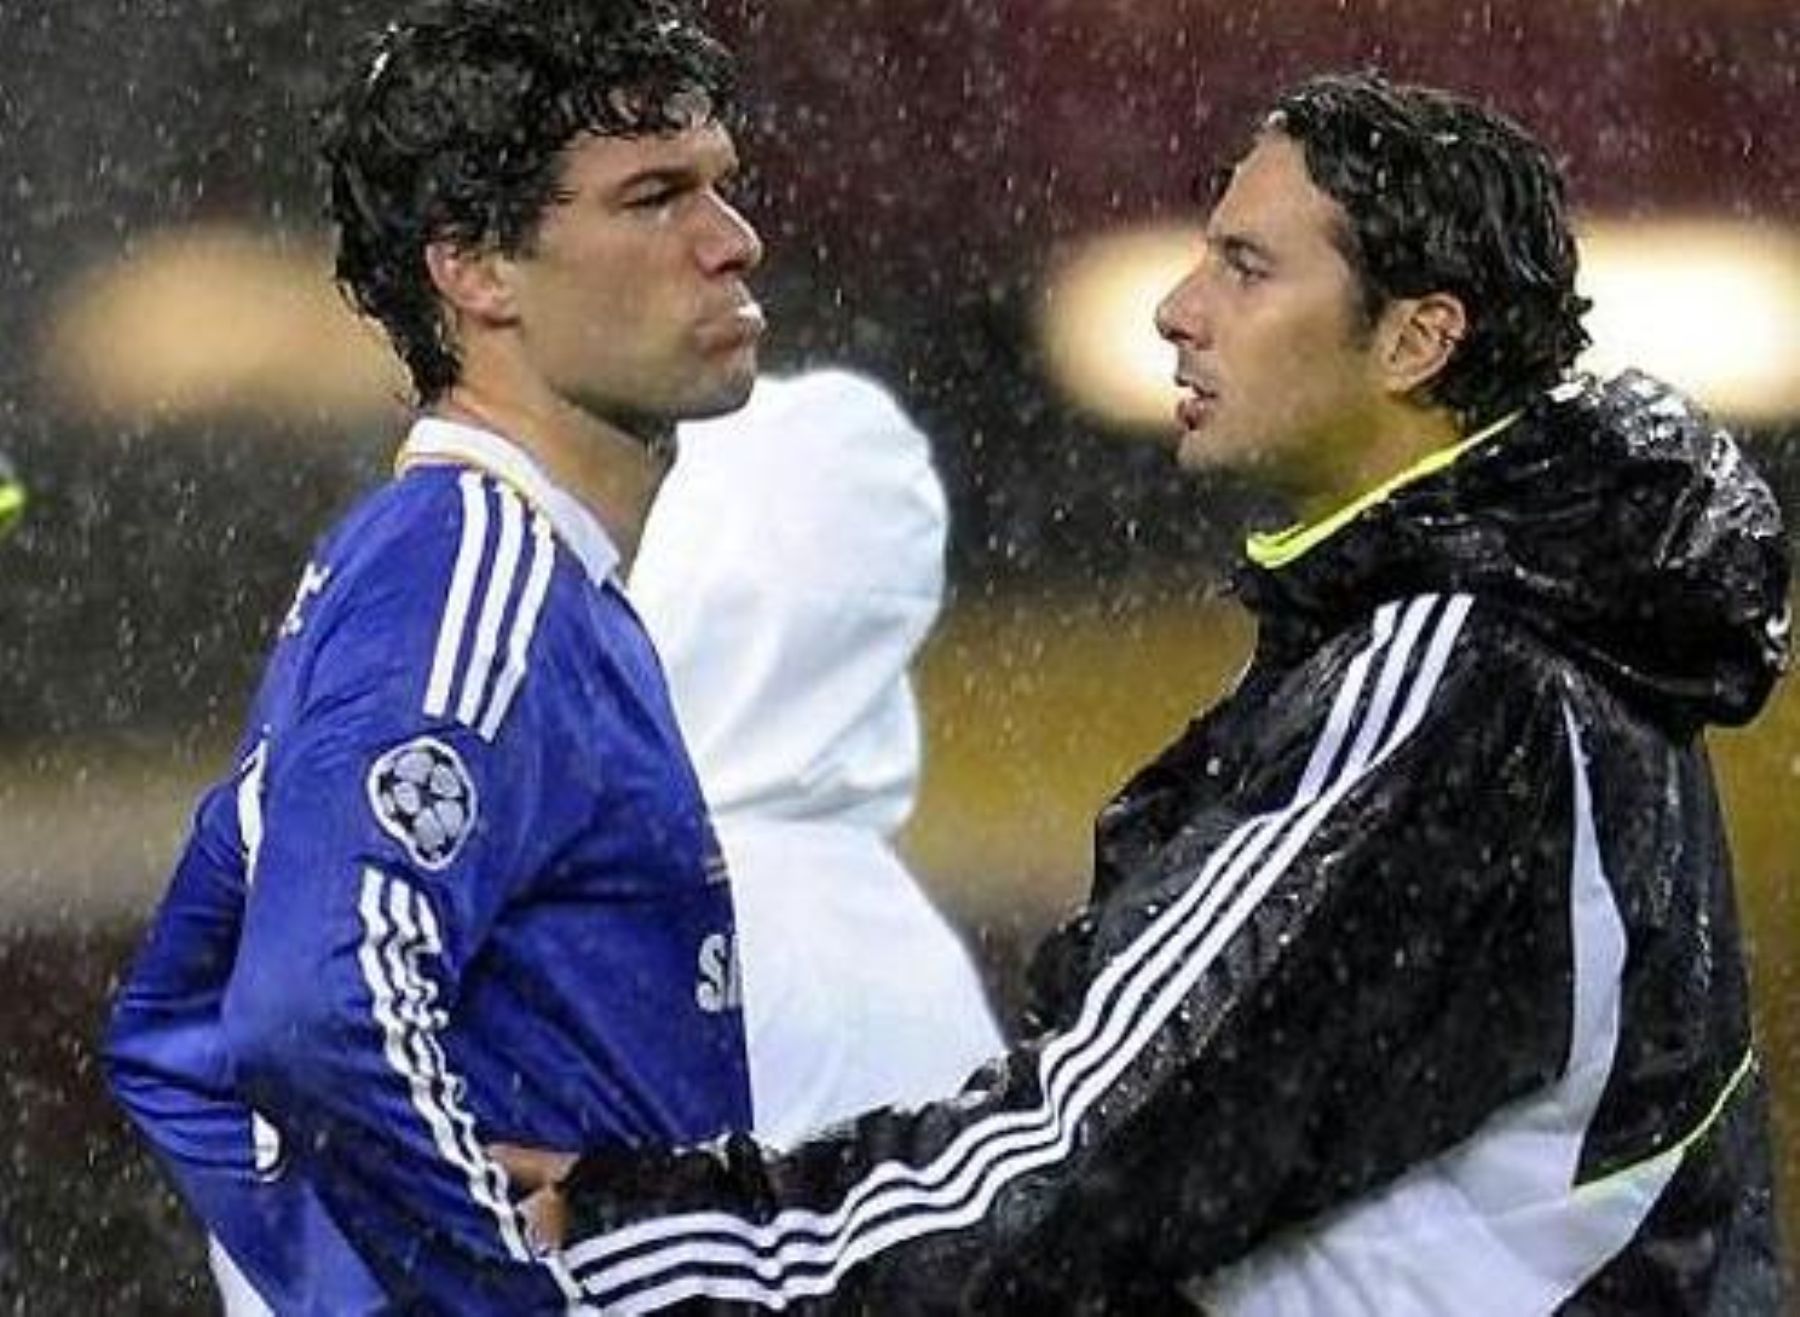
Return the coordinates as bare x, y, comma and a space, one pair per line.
716, 1254
399, 930
463, 683
462, 591
500, 588
537, 585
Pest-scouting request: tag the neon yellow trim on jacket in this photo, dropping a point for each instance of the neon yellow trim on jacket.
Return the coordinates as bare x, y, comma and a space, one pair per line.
1272, 549
1679, 1149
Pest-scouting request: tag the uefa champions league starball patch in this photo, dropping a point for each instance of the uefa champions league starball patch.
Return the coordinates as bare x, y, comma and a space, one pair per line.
424, 799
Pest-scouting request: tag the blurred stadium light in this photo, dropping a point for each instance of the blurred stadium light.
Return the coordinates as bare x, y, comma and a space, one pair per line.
1710, 305
1713, 306
224, 319
1096, 323
217, 319
12, 496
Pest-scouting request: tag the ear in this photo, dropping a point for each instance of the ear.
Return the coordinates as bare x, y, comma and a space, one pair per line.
474, 281
1419, 338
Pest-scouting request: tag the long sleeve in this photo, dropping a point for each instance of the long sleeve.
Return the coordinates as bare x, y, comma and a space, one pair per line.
394, 825
167, 1064
164, 1058
1290, 1003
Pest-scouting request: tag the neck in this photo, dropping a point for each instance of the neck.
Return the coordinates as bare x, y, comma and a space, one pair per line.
1392, 446
612, 472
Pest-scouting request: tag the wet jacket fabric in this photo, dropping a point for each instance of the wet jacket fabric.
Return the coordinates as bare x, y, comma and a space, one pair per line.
1411, 981
791, 567
461, 889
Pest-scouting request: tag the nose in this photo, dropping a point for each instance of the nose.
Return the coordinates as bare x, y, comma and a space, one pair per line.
730, 244
1181, 315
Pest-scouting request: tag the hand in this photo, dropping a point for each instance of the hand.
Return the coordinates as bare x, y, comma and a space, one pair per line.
538, 1172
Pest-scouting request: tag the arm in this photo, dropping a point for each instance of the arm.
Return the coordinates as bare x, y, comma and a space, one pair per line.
163, 1057
168, 1067
1274, 1019
395, 829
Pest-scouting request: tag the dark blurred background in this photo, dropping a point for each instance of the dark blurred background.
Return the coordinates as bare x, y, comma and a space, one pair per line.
957, 198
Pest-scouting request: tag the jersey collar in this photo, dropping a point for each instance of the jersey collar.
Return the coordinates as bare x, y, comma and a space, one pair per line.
434, 439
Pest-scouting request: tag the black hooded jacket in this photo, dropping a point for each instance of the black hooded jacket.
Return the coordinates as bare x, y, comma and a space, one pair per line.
1411, 980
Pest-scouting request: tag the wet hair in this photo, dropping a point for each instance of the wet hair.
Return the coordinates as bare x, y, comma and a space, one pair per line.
1440, 194
454, 126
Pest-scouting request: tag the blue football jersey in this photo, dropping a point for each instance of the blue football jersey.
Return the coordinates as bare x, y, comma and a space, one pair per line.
461, 889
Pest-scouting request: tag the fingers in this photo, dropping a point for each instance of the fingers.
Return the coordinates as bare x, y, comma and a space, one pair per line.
531, 1169
546, 1219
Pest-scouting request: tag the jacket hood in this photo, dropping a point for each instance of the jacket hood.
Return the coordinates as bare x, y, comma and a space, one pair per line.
790, 568
1614, 518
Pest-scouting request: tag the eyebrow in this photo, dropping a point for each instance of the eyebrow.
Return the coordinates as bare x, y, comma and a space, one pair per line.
658, 176
1239, 244
683, 175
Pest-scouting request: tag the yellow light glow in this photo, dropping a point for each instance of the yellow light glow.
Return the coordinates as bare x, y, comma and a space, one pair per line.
1711, 306
217, 319
1097, 324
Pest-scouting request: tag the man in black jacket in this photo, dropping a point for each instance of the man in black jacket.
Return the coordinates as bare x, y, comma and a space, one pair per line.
1411, 981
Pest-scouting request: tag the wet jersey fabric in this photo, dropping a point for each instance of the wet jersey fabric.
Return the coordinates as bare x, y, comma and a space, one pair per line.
791, 567
1410, 983
461, 889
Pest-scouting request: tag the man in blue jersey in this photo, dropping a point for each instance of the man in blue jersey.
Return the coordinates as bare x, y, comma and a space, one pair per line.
461, 887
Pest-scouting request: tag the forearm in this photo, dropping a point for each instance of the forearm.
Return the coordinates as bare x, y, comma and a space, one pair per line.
1229, 1066
164, 1058
342, 1044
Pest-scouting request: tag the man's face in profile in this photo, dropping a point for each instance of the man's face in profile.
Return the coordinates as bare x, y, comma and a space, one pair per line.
631, 298
1277, 367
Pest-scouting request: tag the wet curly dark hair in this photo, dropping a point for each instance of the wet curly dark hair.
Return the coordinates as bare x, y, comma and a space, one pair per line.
453, 125
1440, 194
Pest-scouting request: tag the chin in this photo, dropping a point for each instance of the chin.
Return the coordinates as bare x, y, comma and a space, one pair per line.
725, 395
1198, 450
1217, 450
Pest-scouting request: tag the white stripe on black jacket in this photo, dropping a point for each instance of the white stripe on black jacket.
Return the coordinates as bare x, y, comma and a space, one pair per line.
1411, 980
